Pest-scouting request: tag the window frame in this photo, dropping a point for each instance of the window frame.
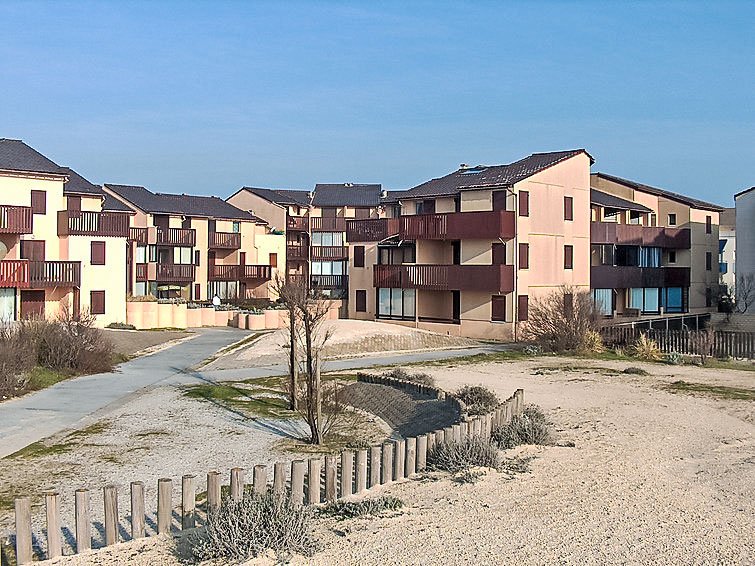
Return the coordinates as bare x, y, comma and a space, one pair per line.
100, 296
568, 208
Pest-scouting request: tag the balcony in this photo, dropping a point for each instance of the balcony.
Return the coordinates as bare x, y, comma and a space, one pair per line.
173, 272
138, 235
489, 278
224, 241
297, 223
176, 237
15, 219
329, 224
141, 271
90, 223
484, 225
14, 273
636, 235
625, 277
239, 272
297, 252
329, 252
330, 281
54, 274
258, 272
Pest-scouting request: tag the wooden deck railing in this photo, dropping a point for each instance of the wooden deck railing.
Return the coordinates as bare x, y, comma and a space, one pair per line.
487, 225
141, 271
239, 272
330, 281
92, 223
493, 278
297, 252
177, 237
297, 223
636, 235
327, 224
330, 252
263, 272
14, 273
16, 219
724, 343
138, 235
55, 274
225, 240
175, 272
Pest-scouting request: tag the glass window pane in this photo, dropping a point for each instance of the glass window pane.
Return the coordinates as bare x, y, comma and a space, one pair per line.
327, 268
397, 302
409, 295
651, 299
384, 302
337, 268
327, 239
635, 298
338, 238
317, 238
141, 254
316, 268
603, 299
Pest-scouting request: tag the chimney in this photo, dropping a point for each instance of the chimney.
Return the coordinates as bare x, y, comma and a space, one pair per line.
383, 193
463, 166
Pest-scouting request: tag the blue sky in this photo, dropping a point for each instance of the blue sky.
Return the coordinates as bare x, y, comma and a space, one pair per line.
206, 97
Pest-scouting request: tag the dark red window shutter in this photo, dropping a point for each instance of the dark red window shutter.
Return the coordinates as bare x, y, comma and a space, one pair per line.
568, 257
197, 288
358, 256
73, 203
499, 254
708, 261
708, 224
523, 304
524, 256
498, 308
98, 253
568, 208
33, 250
196, 257
273, 260
499, 200
38, 202
97, 302
361, 300
524, 203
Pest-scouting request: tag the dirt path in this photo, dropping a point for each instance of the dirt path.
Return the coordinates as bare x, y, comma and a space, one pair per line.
129, 342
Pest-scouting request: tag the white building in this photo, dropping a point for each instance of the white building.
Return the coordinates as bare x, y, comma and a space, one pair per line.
727, 247
745, 229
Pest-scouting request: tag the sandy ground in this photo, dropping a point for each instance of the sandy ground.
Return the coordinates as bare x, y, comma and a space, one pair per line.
349, 338
132, 341
654, 478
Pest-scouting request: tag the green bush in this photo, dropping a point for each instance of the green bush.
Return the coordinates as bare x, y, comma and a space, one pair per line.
458, 457
675, 358
419, 377
531, 427
350, 509
635, 371
479, 399
121, 326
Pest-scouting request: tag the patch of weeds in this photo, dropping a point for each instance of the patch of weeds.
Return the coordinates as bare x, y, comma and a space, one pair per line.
40, 378
343, 510
110, 459
92, 429
358, 444
455, 457
243, 400
724, 364
716, 391
119, 358
468, 476
531, 427
402, 374
150, 433
634, 371
516, 465
40, 449
239, 344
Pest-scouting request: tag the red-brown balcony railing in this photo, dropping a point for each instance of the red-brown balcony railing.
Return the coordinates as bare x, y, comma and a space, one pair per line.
372, 229
92, 223
637, 235
14, 273
15, 219
141, 271
625, 277
239, 272
327, 224
329, 281
330, 252
216, 272
492, 278
297, 223
297, 252
138, 235
263, 272
177, 237
54, 273
168, 272
225, 240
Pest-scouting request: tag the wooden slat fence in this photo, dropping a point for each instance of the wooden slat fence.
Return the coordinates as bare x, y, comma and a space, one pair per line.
725, 343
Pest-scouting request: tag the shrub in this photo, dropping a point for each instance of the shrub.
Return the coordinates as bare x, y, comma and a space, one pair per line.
532, 350
479, 399
635, 371
531, 427
675, 358
457, 457
644, 348
419, 377
591, 343
17, 358
239, 530
561, 321
350, 509
121, 326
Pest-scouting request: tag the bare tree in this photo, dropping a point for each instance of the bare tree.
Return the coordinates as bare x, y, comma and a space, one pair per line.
745, 292
702, 342
566, 319
292, 294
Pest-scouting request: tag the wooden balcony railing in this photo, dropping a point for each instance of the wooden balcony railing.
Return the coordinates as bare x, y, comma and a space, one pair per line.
141, 271
636, 235
625, 277
169, 272
263, 272
224, 240
55, 274
91, 223
176, 237
138, 235
330, 252
297, 252
297, 223
483, 225
492, 278
239, 272
327, 224
15, 219
330, 281
14, 273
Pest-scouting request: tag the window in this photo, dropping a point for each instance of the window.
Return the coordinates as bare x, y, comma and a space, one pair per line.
196, 257
499, 200
672, 299
38, 202
186, 224
708, 224
73, 203
602, 254
396, 255
672, 256
499, 254
33, 250
197, 289
97, 302
98, 253
646, 299
635, 217
327, 268
358, 256
327, 238
523, 304
396, 303
498, 308
182, 255
603, 299
223, 289
524, 203
524, 256
237, 227
568, 257
273, 260
708, 261
361, 300
362, 213
672, 219
650, 257
140, 255
568, 208
140, 288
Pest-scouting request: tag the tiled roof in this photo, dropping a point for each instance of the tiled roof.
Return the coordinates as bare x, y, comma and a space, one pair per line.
187, 205
393, 196
78, 185
488, 176
739, 194
689, 201
281, 196
15, 155
346, 194
611, 201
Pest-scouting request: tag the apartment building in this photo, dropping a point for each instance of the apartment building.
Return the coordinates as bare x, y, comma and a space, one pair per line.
653, 252
745, 229
466, 253
315, 226
196, 247
727, 248
62, 240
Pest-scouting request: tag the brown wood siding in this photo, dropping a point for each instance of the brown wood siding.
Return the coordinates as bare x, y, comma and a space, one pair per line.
32, 303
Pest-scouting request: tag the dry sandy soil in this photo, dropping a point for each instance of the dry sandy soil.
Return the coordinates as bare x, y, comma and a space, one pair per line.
132, 341
349, 338
655, 477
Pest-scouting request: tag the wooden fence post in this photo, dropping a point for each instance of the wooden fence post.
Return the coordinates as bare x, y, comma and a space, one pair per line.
465, 430
164, 505
259, 484
448, 434
24, 553
52, 515
456, 429
314, 481
411, 456
375, 456
83, 526
188, 502
213, 491
361, 471
399, 457
298, 468
111, 514
137, 509
422, 452
387, 464
347, 473
331, 477
279, 479
237, 483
